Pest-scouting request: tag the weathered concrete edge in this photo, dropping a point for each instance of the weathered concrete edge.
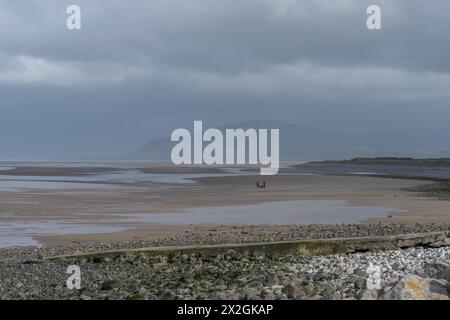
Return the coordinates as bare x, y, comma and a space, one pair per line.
300, 247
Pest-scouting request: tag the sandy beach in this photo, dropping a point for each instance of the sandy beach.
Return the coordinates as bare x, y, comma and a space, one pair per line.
146, 202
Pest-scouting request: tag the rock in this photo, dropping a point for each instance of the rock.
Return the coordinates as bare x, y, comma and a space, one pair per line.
109, 285
241, 281
267, 294
360, 283
142, 290
440, 287
259, 255
294, 290
412, 287
277, 288
231, 254
368, 295
441, 243
250, 293
319, 276
159, 265
438, 271
328, 292
272, 279
361, 273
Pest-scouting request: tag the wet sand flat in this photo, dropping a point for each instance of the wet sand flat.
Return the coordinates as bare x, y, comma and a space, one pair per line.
55, 171
126, 204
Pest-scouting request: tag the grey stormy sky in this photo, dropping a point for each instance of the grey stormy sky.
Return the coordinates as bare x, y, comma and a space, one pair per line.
137, 69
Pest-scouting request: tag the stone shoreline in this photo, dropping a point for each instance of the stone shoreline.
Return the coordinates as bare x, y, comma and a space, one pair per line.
26, 274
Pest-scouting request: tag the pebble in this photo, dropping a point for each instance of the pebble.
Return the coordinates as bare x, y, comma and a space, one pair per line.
24, 274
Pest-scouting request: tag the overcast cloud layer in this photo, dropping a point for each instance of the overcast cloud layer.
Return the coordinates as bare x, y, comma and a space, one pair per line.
138, 69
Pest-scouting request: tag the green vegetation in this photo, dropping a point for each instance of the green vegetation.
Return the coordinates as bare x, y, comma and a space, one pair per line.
395, 160
439, 190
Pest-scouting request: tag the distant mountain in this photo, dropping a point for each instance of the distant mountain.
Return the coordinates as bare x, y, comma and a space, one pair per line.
302, 143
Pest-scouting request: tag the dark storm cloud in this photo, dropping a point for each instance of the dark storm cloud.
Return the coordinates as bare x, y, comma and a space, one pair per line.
137, 70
